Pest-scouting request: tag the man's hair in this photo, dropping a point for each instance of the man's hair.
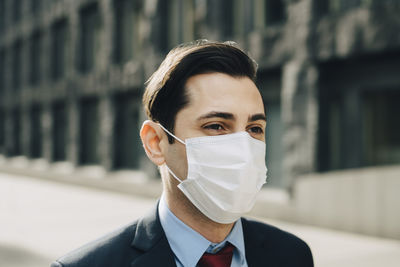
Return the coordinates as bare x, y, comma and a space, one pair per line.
165, 93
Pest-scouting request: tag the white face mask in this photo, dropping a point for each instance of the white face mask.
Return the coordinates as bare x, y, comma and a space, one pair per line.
225, 173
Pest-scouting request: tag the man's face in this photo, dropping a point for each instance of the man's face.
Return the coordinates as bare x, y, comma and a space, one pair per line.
218, 104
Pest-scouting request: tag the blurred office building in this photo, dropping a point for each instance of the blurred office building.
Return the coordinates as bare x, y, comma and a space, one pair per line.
72, 73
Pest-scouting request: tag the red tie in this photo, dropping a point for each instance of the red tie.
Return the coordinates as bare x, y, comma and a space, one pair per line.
222, 258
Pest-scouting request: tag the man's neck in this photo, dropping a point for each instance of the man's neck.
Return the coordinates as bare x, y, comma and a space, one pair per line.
183, 209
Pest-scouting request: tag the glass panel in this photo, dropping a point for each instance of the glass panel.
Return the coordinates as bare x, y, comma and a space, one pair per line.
16, 134
16, 70
321, 7
35, 57
331, 154
59, 49
174, 23
227, 12
2, 15
90, 37
348, 4
2, 130
358, 107
36, 132
60, 132
124, 30
89, 131
35, 6
275, 12
2, 72
180, 22
162, 31
335, 113
127, 144
382, 127
17, 10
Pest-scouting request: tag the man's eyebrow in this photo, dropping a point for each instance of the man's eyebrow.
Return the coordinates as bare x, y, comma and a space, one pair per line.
258, 116
217, 114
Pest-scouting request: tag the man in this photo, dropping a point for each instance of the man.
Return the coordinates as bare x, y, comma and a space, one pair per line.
206, 134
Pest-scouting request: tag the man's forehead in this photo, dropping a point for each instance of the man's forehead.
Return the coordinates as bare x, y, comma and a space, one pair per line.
231, 116
221, 98
217, 90
214, 83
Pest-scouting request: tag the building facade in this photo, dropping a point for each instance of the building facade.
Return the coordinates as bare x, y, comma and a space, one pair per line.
72, 74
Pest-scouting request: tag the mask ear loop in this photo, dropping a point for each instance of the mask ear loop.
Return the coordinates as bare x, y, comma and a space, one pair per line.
173, 174
171, 134
179, 140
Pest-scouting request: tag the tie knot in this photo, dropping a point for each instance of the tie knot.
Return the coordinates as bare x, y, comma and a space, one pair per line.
222, 258
228, 249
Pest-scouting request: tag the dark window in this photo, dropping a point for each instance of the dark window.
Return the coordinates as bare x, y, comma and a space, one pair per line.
227, 19
178, 21
324, 7
331, 131
220, 16
349, 4
16, 66
16, 10
389, 3
161, 32
2, 15
89, 37
16, 148
124, 30
321, 7
35, 6
35, 58
358, 107
381, 127
249, 13
60, 131
369, 135
89, 131
269, 83
340, 143
2, 130
127, 144
275, 12
36, 132
59, 49
2, 72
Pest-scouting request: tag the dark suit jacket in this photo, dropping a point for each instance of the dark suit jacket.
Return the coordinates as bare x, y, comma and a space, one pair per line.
143, 243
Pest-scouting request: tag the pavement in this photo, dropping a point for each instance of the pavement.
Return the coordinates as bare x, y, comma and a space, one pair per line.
41, 220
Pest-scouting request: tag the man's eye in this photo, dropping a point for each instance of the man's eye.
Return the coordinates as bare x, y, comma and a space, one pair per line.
216, 127
256, 130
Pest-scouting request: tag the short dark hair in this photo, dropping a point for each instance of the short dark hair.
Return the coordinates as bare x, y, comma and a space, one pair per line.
165, 93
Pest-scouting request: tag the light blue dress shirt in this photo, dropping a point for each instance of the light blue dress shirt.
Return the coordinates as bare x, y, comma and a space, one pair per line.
188, 245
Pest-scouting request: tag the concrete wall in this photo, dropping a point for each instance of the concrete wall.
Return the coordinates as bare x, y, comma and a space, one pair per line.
363, 201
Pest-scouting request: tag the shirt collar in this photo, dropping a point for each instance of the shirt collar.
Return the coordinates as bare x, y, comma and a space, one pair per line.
195, 245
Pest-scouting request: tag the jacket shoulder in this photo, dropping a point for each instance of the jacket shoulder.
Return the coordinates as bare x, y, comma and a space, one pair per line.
280, 245
105, 251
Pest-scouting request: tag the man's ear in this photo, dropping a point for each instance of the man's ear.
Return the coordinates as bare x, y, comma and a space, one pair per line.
151, 135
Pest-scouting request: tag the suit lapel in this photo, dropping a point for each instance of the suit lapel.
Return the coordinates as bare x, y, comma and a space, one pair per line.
151, 241
256, 254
